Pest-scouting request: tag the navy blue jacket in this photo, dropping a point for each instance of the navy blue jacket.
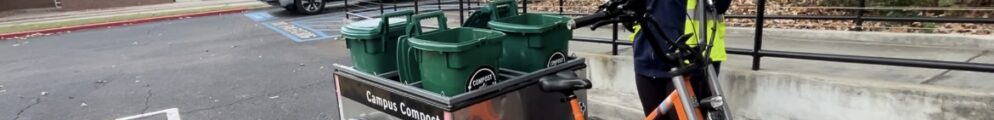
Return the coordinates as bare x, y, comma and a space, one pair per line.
670, 16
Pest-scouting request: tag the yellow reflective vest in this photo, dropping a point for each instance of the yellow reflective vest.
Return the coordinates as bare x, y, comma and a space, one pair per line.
718, 46
690, 26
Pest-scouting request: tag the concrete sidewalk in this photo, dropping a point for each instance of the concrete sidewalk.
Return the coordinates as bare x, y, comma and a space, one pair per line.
48, 20
808, 89
954, 48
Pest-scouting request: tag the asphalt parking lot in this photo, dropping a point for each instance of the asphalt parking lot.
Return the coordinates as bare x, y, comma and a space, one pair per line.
217, 67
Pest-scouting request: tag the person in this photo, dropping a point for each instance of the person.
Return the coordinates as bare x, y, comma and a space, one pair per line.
653, 81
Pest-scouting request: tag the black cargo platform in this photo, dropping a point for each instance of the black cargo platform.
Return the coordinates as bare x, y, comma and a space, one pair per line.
517, 97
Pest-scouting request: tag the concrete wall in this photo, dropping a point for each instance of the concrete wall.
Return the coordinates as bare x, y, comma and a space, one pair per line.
769, 95
92, 4
613, 95
25, 4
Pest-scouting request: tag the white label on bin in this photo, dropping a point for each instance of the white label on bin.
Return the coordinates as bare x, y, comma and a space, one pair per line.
556, 59
483, 77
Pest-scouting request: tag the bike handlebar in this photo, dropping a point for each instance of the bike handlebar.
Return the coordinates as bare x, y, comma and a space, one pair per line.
589, 20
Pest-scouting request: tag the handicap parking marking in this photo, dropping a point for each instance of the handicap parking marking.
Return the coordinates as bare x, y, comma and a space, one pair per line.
296, 31
303, 29
308, 27
260, 16
171, 114
330, 25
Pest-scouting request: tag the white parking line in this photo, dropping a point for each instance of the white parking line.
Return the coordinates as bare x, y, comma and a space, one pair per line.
171, 114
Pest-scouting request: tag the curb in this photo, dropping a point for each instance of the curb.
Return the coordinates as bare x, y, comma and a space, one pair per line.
6, 36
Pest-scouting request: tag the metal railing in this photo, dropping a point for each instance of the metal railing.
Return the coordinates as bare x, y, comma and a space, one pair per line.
417, 5
758, 53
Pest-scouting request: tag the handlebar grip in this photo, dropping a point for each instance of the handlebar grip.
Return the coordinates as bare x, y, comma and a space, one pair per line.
589, 20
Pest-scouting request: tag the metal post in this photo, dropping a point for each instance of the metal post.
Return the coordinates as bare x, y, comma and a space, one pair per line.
614, 40
439, 4
461, 17
394, 2
758, 40
859, 15
416, 6
562, 3
381, 8
346, 9
702, 26
524, 5
469, 5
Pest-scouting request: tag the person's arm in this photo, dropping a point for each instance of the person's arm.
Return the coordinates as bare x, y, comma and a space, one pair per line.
722, 5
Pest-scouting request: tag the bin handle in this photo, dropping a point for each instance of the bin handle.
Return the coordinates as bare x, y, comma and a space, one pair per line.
414, 26
413, 73
384, 27
404, 55
512, 8
385, 19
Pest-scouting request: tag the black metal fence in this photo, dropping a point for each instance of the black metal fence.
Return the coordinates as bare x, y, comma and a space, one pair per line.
758, 53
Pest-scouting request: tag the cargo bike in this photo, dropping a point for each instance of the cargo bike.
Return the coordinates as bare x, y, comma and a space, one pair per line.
515, 69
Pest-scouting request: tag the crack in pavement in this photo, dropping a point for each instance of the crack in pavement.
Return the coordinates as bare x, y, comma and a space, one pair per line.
36, 101
940, 75
258, 96
146, 101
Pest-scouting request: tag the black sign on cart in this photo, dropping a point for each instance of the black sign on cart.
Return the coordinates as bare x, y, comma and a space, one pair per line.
518, 96
386, 101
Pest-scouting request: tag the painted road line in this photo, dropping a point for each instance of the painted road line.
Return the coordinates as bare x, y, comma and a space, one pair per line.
301, 30
329, 25
322, 22
319, 29
325, 21
171, 114
296, 32
260, 16
324, 36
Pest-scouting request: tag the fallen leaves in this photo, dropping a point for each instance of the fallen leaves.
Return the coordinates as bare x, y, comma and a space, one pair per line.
824, 8
818, 8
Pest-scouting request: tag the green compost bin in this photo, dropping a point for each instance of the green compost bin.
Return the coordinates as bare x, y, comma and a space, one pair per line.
533, 41
372, 42
453, 61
